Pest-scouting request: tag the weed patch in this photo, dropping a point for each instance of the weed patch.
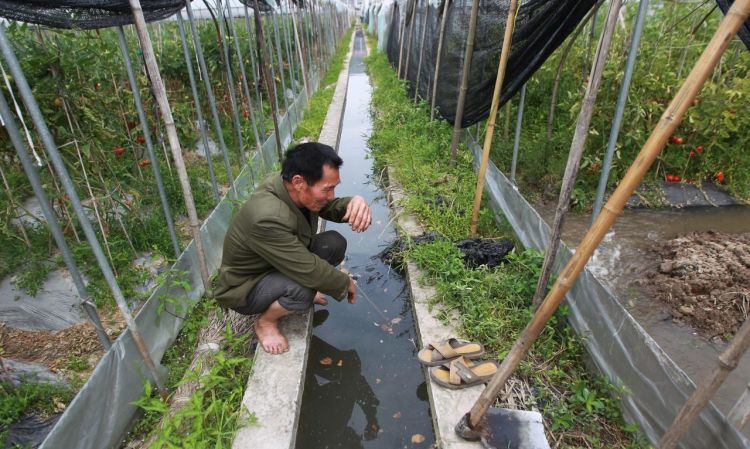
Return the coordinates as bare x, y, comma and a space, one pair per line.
493, 305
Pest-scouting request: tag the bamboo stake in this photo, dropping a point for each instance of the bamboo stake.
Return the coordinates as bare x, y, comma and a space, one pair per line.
576, 149
669, 121
267, 81
421, 54
490, 128
254, 68
401, 34
174, 142
469, 51
725, 364
437, 60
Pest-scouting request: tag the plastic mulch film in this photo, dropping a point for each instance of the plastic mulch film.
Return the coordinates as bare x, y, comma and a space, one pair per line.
622, 350
102, 411
541, 26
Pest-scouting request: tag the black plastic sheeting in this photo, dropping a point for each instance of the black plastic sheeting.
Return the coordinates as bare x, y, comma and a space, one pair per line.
87, 14
541, 26
744, 33
476, 251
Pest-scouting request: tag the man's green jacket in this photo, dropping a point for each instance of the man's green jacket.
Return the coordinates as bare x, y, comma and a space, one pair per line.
270, 233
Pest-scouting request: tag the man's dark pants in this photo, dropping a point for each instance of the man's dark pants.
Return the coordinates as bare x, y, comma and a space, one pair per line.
329, 246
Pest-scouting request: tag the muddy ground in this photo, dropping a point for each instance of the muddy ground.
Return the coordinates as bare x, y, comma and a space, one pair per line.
704, 280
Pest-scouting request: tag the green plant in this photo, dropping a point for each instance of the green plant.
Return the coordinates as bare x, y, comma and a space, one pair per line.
29, 398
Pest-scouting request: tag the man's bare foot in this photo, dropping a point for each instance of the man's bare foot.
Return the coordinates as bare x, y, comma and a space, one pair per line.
270, 337
320, 298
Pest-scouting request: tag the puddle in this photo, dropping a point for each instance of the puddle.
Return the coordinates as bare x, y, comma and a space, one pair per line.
364, 387
623, 259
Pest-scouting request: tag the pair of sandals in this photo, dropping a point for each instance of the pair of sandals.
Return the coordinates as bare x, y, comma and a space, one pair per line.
451, 365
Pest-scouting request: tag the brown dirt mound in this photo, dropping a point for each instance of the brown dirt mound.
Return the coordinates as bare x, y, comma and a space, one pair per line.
704, 277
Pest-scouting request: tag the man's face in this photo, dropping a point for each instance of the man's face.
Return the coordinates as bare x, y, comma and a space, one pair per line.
315, 197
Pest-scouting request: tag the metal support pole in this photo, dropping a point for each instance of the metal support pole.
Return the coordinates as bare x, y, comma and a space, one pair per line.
52, 223
203, 71
54, 155
421, 53
246, 90
258, 92
269, 62
197, 101
437, 59
622, 99
263, 62
281, 62
300, 54
149, 144
517, 138
230, 80
290, 59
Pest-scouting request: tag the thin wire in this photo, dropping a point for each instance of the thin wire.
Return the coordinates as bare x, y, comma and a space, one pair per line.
372, 303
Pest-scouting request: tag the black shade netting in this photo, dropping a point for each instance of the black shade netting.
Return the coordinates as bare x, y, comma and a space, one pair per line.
744, 32
85, 14
541, 26
264, 6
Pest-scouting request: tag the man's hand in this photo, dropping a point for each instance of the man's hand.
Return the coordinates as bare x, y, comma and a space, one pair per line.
351, 291
358, 214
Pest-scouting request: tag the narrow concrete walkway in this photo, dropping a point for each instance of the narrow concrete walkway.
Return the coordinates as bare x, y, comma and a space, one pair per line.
274, 388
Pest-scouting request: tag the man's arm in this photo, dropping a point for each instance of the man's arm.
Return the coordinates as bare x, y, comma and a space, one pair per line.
278, 245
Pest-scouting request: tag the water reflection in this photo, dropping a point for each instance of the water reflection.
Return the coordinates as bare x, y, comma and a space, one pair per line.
337, 379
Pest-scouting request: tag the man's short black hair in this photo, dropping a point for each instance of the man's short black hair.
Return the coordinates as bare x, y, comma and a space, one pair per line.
307, 160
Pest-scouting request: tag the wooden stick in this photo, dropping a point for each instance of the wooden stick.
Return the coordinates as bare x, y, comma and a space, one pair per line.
299, 53
411, 38
725, 364
263, 60
174, 142
468, 52
401, 34
421, 53
576, 149
437, 60
490, 129
669, 121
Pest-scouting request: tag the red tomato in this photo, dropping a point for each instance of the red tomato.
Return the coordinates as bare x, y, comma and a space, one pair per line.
140, 139
670, 178
143, 162
699, 148
677, 178
118, 150
719, 176
692, 153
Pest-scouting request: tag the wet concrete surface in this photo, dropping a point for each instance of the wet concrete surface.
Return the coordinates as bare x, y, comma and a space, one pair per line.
364, 387
623, 258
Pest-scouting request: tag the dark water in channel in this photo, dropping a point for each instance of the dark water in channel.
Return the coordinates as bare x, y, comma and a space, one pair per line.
364, 387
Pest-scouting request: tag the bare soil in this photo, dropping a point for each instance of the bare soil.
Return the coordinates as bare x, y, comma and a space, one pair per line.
57, 349
704, 279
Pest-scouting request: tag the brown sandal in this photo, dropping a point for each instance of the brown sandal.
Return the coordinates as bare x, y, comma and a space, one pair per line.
447, 350
463, 373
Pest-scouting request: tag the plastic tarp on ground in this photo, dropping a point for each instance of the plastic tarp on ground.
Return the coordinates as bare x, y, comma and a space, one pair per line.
656, 388
541, 26
102, 411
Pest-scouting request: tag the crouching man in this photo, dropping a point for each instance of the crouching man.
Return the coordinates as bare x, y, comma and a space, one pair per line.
273, 262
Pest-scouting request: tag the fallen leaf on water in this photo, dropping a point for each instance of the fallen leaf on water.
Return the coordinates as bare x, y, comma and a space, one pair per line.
326, 361
396, 320
386, 328
385, 290
417, 438
341, 363
374, 427
397, 415
377, 381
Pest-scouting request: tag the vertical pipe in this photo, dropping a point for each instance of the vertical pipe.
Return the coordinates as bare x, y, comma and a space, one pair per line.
263, 60
52, 223
464, 81
210, 95
300, 54
622, 99
147, 136
290, 59
46, 136
223, 36
258, 93
517, 138
245, 88
437, 59
198, 109
411, 38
